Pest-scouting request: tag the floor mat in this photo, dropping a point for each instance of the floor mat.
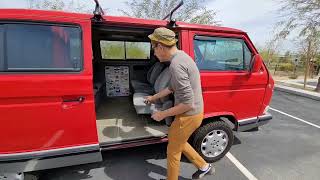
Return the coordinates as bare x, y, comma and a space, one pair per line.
118, 121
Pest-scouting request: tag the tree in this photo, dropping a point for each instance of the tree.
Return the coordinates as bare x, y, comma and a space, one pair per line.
192, 11
272, 49
270, 52
269, 56
60, 5
310, 49
302, 16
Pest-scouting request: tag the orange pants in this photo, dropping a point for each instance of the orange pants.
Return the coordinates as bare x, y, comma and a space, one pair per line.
179, 133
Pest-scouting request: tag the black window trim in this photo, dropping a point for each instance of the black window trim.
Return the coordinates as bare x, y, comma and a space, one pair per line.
45, 70
247, 47
211, 38
2, 50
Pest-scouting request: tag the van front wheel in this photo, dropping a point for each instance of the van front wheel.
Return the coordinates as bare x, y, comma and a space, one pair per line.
213, 140
31, 176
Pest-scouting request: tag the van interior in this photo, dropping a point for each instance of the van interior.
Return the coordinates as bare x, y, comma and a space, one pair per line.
125, 71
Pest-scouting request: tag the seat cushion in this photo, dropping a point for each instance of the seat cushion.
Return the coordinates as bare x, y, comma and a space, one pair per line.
136, 84
162, 81
143, 108
152, 75
155, 72
141, 87
139, 105
147, 90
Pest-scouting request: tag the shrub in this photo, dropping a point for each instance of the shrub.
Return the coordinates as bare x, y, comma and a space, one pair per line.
293, 76
286, 67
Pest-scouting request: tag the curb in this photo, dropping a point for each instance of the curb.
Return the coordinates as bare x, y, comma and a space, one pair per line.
298, 84
299, 92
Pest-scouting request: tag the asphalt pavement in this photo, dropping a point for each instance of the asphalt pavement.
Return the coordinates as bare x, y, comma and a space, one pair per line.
286, 148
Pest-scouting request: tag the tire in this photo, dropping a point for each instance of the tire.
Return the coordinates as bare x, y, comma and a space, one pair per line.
31, 176
11, 176
213, 140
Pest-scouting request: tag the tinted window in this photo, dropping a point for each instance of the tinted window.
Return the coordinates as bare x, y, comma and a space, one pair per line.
43, 48
121, 50
221, 54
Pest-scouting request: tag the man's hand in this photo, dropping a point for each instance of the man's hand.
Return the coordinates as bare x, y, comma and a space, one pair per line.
158, 116
149, 99
152, 99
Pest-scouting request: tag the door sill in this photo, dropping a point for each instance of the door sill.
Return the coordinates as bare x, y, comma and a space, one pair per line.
133, 143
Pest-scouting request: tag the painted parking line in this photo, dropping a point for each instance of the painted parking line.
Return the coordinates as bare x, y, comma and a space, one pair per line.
243, 169
299, 119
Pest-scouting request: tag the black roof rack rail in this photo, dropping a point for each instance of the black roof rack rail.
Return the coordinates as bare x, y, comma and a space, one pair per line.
98, 12
172, 22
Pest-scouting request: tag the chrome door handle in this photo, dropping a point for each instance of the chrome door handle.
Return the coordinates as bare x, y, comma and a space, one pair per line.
79, 99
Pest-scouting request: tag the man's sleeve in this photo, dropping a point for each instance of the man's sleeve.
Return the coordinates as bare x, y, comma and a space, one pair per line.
182, 83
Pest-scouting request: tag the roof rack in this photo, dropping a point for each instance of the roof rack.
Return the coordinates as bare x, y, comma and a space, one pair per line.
172, 22
98, 12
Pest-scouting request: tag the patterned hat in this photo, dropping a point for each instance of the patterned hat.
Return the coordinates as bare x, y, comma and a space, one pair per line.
164, 36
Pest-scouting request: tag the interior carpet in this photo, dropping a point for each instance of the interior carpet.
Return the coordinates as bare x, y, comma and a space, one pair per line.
118, 121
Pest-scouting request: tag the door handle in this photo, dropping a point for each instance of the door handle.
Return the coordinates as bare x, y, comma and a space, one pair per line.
79, 99
70, 103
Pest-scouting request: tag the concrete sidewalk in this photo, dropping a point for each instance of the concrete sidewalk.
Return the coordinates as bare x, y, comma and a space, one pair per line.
311, 83
295, 86
299, 92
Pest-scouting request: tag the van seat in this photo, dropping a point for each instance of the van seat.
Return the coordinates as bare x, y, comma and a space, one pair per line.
142, 108
152, 75
141, 87
161, 83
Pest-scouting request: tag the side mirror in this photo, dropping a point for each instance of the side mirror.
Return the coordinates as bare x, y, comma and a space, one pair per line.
256, 63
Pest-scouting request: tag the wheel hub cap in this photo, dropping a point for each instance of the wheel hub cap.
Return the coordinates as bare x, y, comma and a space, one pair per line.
214, 143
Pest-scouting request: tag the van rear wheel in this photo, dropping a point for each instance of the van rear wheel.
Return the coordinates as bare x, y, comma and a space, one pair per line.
213, 140
19, 176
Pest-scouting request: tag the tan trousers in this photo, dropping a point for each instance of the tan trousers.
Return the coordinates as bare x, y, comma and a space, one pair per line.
179, 133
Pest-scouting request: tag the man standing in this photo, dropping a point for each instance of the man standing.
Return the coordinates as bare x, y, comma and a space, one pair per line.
188, 109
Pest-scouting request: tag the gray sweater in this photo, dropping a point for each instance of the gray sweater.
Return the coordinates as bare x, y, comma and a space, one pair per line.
185, 82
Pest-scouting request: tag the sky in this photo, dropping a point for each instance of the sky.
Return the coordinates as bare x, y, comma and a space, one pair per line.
256, 17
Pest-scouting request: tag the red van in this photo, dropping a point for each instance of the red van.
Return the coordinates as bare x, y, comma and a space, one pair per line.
71, 87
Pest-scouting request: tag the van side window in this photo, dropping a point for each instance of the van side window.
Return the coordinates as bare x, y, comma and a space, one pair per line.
123, 50
41, 48
221, 54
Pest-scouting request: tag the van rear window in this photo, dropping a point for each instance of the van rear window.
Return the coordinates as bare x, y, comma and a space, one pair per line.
123, 50
41, 48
